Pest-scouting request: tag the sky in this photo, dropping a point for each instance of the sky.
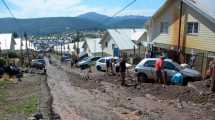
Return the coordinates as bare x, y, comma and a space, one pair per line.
72, 8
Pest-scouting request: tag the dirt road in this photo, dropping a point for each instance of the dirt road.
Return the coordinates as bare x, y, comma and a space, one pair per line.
76, 99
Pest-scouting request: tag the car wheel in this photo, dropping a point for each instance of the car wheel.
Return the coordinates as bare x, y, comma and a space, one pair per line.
141, 78
186, 80
99, 68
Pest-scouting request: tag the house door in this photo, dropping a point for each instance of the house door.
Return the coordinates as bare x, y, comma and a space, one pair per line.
116, 52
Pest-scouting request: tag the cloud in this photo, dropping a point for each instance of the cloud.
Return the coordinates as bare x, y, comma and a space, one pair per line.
56, 8
41, 8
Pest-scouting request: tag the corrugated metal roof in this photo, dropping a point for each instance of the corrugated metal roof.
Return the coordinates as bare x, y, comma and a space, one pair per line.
5, 41
93, 44
137, 34
205, 7
123, 37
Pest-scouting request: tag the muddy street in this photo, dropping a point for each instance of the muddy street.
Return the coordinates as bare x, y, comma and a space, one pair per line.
98, 99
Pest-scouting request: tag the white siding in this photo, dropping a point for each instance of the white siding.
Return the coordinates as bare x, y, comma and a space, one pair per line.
109, 49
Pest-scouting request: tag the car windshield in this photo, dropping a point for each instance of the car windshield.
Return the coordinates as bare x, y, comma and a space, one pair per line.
42, 61
85, 59
177, 65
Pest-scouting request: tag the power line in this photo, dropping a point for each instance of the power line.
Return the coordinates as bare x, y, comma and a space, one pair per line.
10, 12
121, 10
13, 16
124, 8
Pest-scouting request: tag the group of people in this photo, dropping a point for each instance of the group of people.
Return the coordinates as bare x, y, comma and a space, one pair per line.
111, 67
11, 70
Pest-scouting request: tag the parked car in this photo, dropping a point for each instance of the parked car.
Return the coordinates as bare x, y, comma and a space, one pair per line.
145, 70
38, 64
83, 56
88, 61
101, 63
67, 54
65, 58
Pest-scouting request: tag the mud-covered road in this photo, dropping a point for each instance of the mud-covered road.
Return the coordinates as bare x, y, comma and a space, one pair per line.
97, 99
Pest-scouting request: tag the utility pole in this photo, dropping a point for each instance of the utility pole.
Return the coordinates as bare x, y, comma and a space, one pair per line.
21, 51
139, 45
61, 49
0, 51
180, 21
213, 79
26, 47
78, 36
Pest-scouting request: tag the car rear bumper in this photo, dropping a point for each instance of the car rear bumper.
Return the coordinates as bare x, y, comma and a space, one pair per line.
199, 78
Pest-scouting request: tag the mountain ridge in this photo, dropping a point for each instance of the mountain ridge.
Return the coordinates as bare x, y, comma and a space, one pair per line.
87, 21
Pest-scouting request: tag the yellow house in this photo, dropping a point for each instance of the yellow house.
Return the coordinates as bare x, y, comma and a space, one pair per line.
185, 24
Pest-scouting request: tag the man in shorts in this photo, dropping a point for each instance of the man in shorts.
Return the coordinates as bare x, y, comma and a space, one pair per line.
158, 68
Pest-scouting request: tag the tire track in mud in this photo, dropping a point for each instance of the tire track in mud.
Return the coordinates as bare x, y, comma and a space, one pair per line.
74, 102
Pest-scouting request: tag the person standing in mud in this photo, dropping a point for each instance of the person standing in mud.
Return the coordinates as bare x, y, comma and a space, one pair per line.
71, 63
212, 75
158, 68
122, 69
107, 65
113, 67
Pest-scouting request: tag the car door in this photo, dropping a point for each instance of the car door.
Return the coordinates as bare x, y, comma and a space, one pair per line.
103, 63
170, 69
149, 68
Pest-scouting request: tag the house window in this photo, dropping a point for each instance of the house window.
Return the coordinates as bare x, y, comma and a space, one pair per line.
106, 44
164, 27
192, 27
113, 46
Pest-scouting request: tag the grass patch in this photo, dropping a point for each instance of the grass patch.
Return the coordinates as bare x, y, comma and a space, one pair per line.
3, 92
3, 96
28, 106
3, 84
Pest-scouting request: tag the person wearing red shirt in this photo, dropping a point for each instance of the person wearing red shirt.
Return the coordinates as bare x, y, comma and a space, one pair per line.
158, 68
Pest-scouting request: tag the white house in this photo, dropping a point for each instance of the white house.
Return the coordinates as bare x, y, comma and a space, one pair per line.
117, 41
6, 41
92, 46
68, 47
18, 44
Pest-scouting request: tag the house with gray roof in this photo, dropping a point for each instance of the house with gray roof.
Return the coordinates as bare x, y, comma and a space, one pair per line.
118, 41
92, 46
6, 41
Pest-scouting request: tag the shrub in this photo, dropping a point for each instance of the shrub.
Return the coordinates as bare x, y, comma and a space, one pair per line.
12, 54
2, 62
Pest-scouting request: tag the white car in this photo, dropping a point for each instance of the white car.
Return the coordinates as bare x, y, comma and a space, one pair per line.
101, 63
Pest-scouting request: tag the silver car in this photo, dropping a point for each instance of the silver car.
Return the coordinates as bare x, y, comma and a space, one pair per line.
145, 70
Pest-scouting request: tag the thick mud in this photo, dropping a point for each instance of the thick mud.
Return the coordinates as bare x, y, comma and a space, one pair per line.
102, 98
